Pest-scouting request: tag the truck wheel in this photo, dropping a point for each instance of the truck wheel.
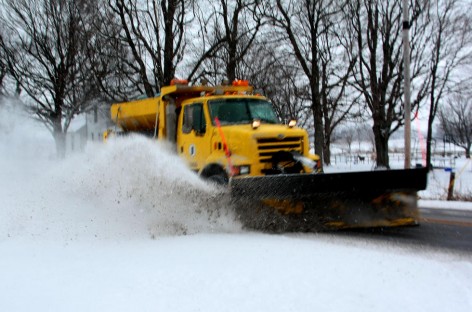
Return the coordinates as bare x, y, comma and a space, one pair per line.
219, 179
215, 174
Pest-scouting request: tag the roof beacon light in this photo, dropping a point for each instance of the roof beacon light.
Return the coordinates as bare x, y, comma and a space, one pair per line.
292, 123
240, 83
176, 81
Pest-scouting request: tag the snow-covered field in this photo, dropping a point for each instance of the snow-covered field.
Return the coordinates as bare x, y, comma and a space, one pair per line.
124, 227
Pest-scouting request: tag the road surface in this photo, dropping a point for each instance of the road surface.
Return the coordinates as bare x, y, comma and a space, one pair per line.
446, 229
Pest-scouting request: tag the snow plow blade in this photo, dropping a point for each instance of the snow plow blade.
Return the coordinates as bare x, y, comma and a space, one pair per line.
314, 202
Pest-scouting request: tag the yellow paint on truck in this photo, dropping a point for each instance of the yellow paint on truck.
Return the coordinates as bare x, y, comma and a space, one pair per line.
185, 115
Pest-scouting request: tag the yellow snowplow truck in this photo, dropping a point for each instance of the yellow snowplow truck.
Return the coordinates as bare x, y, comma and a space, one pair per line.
230, 135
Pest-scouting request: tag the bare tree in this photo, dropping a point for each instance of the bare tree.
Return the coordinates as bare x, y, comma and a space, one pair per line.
289, 97
337, 65
112, 63
347, 135
377, 26
3, 72
456, 121
309, 27
45, 56
364, 134
449, 46
3, 67
205, 43
280, 81
154, 34
228, 33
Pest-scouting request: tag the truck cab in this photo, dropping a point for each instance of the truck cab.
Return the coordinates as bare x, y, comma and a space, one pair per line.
237, 135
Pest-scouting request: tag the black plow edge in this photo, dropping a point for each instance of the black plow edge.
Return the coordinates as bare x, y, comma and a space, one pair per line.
300, 186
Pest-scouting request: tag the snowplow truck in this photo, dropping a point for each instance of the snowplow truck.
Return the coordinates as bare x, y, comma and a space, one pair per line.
231, 135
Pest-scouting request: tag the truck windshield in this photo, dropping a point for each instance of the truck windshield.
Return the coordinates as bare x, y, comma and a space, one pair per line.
242, 111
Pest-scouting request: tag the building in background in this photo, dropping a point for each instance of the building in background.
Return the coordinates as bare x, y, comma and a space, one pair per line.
88, 128
97, 120
76, 137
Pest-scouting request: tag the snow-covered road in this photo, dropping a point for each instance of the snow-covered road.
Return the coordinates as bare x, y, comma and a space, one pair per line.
229, 272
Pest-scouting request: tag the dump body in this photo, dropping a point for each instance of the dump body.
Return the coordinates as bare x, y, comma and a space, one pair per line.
137, 116
228, 134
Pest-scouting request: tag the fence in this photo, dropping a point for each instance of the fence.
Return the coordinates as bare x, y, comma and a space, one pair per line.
396, 160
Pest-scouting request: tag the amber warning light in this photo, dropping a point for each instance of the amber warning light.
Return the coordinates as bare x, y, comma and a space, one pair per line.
241, 83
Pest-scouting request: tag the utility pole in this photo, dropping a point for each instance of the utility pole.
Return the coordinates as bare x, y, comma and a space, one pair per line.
407, 95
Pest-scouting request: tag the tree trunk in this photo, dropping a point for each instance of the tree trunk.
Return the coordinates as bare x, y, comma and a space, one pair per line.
58, 133
429, 139
60, 140
169, 68
318, 118
326, 118
381, 146
231, 70
232, 55
327, 153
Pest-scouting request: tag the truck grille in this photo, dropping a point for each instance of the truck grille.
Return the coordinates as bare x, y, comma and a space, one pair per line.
269, 146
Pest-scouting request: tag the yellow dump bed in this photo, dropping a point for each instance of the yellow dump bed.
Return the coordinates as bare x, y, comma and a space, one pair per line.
139, 115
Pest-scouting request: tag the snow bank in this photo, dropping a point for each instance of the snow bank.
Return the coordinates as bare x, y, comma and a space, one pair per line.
439, 179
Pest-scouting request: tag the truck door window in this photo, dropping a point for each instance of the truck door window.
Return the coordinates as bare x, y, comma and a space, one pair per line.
194, 119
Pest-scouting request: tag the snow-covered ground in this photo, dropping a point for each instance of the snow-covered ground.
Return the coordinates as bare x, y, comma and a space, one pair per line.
125, 227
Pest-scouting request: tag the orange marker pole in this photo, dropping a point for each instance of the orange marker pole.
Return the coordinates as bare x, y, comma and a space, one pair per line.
225, 146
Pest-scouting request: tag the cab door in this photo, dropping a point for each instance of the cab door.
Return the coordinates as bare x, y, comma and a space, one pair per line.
194, 140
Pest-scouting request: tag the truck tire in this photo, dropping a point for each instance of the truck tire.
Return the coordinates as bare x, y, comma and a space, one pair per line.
219, 179
215, 174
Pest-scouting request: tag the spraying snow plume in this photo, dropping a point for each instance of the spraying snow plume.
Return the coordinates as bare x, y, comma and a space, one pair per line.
146, 179
128, 187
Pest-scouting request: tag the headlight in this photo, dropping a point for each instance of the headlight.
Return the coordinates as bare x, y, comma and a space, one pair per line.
244, 170
239, 170
256, 123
